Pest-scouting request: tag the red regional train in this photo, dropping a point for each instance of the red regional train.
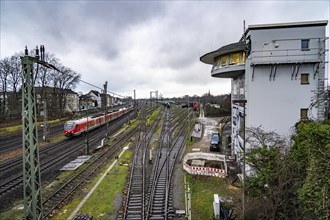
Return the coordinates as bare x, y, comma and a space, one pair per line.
196, 106
76, 127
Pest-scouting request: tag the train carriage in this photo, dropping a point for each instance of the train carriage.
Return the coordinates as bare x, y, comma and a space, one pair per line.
76, 127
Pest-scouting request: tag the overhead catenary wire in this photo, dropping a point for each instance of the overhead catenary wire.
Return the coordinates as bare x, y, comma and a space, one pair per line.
90, 84
100, 88
42, 48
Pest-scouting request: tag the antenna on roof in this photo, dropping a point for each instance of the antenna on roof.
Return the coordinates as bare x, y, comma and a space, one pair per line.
244, 31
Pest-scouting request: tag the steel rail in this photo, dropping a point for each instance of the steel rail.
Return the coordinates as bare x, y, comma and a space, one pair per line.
60, 195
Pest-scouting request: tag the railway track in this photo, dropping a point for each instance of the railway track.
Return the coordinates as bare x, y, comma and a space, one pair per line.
152, 198
56, 199
52, 158
160, 204
135, 198
14, 141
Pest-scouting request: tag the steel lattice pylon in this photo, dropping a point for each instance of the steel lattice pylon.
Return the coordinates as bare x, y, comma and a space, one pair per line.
31, 165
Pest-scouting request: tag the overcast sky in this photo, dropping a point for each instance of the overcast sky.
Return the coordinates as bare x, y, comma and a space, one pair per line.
142, 45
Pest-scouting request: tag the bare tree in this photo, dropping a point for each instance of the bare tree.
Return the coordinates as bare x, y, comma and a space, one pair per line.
63, 81
15, 79
5, 68
269, 181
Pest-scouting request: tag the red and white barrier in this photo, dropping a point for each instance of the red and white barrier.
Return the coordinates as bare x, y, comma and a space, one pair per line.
205, 171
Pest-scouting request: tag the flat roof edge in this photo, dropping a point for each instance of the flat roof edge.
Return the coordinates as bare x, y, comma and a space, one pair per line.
289, 24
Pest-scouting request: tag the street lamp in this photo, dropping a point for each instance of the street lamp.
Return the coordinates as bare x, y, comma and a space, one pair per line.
243, 101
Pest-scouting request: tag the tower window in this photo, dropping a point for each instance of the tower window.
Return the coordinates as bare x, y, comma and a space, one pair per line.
305, 44
304, 113
304, 78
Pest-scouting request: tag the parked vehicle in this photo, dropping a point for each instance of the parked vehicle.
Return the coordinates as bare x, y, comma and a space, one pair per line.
215, 142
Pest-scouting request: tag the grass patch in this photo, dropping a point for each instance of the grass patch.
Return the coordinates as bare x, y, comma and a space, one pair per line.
14, 213
16, 128
102, 203
10, 129
202, 190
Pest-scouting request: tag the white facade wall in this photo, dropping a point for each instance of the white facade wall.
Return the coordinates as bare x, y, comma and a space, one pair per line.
72, 102
275, 104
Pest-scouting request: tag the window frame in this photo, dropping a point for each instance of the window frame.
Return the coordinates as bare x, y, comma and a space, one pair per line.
305, 47
303, 80
303, 113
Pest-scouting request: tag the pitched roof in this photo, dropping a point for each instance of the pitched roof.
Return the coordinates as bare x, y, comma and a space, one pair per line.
94, 92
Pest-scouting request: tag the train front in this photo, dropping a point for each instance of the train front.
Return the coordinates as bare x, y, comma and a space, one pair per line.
69, 128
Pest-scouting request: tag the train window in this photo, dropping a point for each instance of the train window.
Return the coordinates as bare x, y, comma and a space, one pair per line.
69, 125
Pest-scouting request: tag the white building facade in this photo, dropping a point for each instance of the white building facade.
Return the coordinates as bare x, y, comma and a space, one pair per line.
279, 69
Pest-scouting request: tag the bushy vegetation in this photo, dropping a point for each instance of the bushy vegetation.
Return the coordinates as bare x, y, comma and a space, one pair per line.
291, 183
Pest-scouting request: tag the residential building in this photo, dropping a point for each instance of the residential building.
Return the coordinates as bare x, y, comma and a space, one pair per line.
72, 101
96, 96
279, 69
86, 102
56, 100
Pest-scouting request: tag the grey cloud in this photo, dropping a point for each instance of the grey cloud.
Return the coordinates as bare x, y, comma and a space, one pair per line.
170, 37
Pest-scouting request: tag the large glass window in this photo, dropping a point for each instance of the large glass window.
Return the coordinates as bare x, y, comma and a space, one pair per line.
223, 60
243, 57
235, 58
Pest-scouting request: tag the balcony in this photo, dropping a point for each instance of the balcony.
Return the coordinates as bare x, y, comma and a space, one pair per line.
229, 71
228, 61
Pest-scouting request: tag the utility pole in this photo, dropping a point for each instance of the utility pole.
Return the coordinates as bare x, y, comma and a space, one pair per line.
156, 94
157, 98
45, 123
134, 104
31, 163
105, 108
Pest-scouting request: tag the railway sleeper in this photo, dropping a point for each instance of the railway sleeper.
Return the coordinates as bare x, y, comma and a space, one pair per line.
158, 217
135, 195
134, 212
158, 205
134, 217
160, 193
158, 211
159, 196
135, 202
131, 207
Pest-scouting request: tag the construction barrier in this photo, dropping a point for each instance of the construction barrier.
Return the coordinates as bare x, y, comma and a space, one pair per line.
205, 171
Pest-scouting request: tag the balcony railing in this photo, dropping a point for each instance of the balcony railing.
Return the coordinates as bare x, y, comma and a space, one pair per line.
285, 56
